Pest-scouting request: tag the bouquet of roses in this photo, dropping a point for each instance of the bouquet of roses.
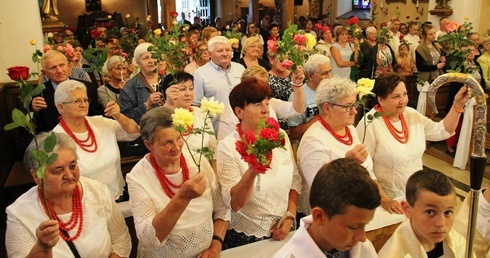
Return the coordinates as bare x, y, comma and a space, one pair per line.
257, 150
364, 91
455, 39
183, 121
354, 28
294, 47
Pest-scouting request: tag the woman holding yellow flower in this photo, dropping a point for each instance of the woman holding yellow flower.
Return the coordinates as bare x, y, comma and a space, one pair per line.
179, 94
176, 202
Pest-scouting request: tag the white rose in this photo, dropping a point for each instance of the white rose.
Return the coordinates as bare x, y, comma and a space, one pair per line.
212, 106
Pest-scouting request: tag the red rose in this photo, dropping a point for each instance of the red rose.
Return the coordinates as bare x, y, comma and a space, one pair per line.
174, 14
272, 45
273, 123
287, 64
401, 37
318, 26
250, 137
300, 39
408, 17
241, 147
353, 20
383, 24
94, 33
269, 134
397, 7
17, 73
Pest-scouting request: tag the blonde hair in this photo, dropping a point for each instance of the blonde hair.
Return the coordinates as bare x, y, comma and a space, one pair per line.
256, 71
206, 32
486, 41
250, 41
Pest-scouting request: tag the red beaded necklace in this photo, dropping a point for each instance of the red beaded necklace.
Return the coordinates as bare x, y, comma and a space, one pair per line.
76, 217
84, 144
402, 135
164, 181
345, 139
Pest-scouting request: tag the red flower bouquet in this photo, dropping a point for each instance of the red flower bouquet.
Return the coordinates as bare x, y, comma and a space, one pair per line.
257, 150
18, 73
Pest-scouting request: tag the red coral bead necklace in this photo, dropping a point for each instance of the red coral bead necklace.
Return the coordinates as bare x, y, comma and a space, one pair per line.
402, 135
76, 217
345, 139
89, 144
164, 181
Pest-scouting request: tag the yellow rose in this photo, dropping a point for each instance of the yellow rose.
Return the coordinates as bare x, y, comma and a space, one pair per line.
212, 106
310, 41
233, 41
183, 119
157, 32
364, 87
32, 42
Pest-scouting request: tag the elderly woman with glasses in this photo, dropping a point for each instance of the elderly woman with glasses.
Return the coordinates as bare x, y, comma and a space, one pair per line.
96, 137
84, 217
117, 71
333, 135
201, 58
177, 206
252, 51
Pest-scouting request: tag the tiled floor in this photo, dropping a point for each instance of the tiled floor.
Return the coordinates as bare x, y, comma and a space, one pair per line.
437, 159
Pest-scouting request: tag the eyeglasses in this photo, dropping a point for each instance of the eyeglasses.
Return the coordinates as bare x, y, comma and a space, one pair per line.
77, 101
348, 108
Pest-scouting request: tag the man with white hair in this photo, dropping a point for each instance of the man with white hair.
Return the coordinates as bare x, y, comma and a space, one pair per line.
217, 77
316, 69
56, 69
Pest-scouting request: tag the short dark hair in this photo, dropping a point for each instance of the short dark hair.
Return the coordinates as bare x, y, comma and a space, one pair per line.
386, 83
341, 183
273, 25
180, 77
430, 180
249, 91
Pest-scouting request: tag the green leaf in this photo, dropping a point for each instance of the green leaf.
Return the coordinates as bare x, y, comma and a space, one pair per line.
52, 158
10, 126
19, 118
37, 91
50, 142
40, 171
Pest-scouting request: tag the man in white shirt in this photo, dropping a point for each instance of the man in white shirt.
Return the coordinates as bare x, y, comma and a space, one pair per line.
218, 76
413, 38
339, 214
443, 22
395, 34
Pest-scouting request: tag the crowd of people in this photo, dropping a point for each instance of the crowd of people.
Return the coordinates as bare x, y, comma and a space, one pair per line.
332, 183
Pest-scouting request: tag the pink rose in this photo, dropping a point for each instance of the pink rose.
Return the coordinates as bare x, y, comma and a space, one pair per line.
273, 123
300, 39
287, 64
69, 50
46, 48
272, 45
250, 137
269, 134
452, 26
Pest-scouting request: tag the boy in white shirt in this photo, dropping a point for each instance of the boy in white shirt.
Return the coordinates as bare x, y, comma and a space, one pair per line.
430, 207
343, 199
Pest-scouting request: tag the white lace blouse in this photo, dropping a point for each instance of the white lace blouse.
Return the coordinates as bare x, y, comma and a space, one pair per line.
104, 229
267, 205
193, 231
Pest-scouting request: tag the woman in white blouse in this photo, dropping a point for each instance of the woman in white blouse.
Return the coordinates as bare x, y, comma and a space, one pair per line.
177, 209
263, 206
396, 141
85, 218
333, 135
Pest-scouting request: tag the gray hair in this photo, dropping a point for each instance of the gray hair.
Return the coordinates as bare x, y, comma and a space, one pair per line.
140, 50
50, 54
63, 142
371, 29
111, 62
62, 92
314, 61
333, 90
217, 40
160, 117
